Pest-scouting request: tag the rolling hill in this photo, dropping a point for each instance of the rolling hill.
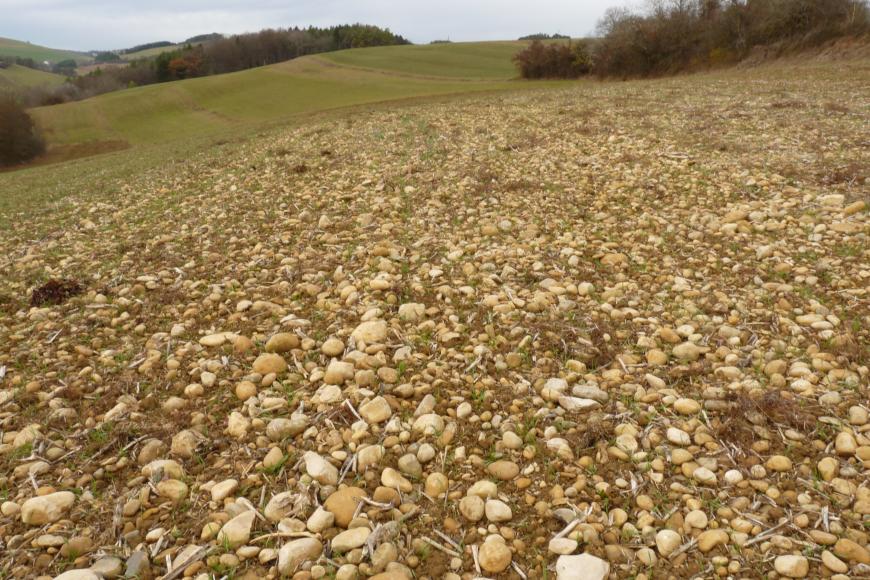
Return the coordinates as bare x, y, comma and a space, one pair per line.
18, 48
22, 77
209, 105
466, 60
150, 52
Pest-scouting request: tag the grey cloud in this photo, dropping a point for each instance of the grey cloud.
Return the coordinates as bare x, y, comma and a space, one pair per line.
105, 24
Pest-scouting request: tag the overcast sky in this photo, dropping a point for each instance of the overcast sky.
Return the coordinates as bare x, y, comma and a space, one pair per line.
113, 24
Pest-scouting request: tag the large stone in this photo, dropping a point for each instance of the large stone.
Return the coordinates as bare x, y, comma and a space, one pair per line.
222, 490
350, 539
471, 508
370, 332
338, 372
294, 553
779, 463
85, 574
436, 484
833, 563
282, 342
577, 404
429, 424
498, 511
678, 436
704, 476
582, 567
163, 469
845, 444
483, 489
320, 469
138, 566
688, 351
343, 504
108, 567
280, 506
503, 470
283, 428
237, 531
269, 363
376, 411
494, 555
562, 546
412, 311
792, 566
212, 340
710, 539
686, 406
369, 456
238, 425
320, 520
394, 480
667, 541
851, 551
173, 489
184, 443
332, 347
554, 388
27, 436
47, 509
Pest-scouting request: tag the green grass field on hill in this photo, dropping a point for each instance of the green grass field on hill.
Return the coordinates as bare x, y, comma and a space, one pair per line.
157, 113
10, 47
466, 60
16, 77
150, 52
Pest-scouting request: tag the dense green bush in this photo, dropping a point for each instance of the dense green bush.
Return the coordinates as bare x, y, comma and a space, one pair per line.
19, 139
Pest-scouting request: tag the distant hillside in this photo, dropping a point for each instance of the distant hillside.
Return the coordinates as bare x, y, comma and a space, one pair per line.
16, 77
150, 52
148, 46
467, 60
153, 49
230, 102
10, 47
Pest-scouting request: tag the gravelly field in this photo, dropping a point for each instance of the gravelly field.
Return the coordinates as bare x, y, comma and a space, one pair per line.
614, 329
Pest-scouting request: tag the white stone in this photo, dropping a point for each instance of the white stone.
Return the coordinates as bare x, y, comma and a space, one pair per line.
237, 531
429, 424
582, 567
350, 539
376, 411
320, 469
667, 541
370, 332
678, 436
792, 566
498, 511
562, 546
294, 553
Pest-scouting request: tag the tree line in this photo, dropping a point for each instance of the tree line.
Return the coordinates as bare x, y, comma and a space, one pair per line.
669, 36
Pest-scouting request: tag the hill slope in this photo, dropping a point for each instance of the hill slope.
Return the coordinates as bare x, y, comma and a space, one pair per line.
10, 47
156, 113
150, 52
467, 60
22, 77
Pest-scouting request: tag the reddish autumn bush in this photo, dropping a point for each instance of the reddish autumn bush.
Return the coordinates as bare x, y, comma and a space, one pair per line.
553, 61
674, 35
